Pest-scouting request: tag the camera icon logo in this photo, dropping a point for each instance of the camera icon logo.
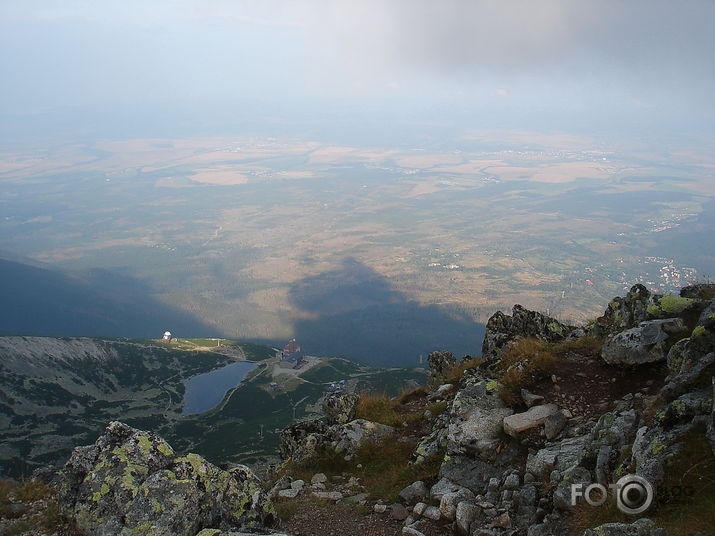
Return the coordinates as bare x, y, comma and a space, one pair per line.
634, 494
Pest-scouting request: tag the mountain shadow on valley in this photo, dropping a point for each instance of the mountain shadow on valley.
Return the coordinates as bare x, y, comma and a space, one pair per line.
41, 301
360, 317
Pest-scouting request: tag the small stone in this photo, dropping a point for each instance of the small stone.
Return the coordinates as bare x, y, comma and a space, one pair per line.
414, 492
535, 416
530, 399
319, 478
328, 495
466, 514
360, 498
398, 512
502, 522
380, 508
555, 476
419, 509
529, 478
493, 484
511, 482
297, 484
628, 396
554, 378
554, 425
432, 512
290, 493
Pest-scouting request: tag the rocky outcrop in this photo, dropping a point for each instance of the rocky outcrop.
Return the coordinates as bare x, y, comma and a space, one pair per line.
623, 313
340, 408
303, 439
132, 483
440, 363
646, 343
339, 431
502, 329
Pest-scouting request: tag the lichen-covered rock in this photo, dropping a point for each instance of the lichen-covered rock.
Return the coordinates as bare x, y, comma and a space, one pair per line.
646, 343
475, 419
302, 439
339, 408
440, 363
131, 483
642, 527
699, 291
623, 313
672, 306
691, 362
502, 329
351, 436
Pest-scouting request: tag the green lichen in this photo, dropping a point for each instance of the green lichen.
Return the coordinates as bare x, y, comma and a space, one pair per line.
165, 449
699, 331
657, 447
209, 532
555, 327
669, 306
145, 443
143, 529
492, 385
679, 407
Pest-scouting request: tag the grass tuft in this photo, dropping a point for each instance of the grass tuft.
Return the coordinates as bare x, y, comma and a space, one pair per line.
377, 407
522, 365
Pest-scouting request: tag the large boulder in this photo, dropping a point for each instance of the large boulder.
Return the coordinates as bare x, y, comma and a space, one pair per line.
646, 343
624, 313
339, 408
691, 362
131, 482
502, 329
348, 438
441, 363
303, 439
475, 418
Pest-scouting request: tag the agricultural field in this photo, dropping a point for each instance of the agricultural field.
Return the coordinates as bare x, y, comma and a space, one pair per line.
378, 254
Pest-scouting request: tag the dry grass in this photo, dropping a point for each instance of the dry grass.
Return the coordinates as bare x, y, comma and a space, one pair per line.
39, 513
412, 394
455, 375
378, 407
521, 366
383, 467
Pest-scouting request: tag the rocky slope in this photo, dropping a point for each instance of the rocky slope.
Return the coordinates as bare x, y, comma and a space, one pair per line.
505, 445
628, 394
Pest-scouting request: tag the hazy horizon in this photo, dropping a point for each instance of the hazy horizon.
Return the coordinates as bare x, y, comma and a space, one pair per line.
266, 169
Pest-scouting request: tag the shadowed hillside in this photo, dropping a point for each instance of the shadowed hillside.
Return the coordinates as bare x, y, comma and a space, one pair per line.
41, 301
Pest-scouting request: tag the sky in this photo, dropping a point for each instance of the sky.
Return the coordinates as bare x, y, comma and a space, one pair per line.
650, 60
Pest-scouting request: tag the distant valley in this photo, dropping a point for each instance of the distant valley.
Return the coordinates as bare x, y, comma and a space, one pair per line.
57, 393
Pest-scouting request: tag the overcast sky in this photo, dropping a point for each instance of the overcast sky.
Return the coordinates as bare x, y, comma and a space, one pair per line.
598, 56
